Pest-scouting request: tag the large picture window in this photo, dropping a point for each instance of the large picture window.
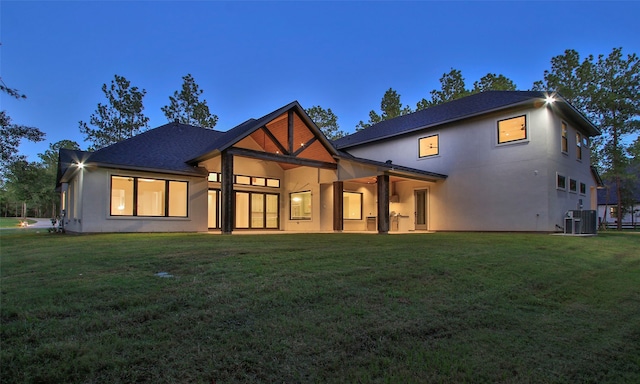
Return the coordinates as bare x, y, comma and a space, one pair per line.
428, 146
300, 203
513, 129
151, 197
121, 196
138, 196
177, 199
352, 205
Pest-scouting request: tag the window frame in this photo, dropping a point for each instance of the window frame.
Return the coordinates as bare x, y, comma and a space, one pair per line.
583, 188
521, 140
137, 200
133, 196
218, 206
249, 218
562, 187
437, 137
135, 192
578, 146
564, 138
573, 185
246, 180
310, 213
360, 196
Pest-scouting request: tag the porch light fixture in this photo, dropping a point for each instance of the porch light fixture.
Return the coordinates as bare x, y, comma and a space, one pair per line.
80, 165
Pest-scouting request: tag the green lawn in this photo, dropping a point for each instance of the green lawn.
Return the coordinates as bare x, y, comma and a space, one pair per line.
12, 222
337, 308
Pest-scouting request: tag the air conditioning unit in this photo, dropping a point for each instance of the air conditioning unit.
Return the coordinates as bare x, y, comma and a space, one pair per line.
589, 221
579, 222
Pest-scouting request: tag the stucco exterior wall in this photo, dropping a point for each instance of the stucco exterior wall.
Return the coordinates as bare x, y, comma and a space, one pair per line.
93, 202
491, 186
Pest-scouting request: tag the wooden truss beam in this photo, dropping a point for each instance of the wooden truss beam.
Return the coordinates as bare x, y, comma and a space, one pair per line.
281, 158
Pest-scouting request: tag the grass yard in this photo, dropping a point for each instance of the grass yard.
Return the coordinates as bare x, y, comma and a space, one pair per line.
13, 222
336, 308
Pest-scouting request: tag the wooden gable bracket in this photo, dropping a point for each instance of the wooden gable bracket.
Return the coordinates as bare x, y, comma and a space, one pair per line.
275, 141
305, 146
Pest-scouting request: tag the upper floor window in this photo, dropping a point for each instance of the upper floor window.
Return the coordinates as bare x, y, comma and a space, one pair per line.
513, 129
578, 146
428, 146
564, 142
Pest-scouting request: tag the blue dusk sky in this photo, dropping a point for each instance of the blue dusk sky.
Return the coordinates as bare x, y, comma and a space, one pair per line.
251, 58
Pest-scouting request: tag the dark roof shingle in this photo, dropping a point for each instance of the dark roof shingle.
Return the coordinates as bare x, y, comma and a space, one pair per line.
465, 107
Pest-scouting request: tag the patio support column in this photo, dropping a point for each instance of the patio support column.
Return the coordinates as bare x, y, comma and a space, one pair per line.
227, 193
383, 204
338, 212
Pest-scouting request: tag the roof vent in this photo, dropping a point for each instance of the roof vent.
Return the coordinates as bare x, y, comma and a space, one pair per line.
388, 162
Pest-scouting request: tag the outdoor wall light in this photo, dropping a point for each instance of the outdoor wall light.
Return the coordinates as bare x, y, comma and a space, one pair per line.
550, 99
80, 165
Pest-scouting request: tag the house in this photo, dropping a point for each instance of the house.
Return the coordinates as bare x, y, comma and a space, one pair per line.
493, 161
608, 201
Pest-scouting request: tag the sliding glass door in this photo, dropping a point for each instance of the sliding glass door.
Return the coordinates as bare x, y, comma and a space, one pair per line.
257, 210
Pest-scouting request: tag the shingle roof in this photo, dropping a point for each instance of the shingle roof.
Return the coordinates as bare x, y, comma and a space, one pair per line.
608, 196
166, 148
174, 147
465, 107
395, 167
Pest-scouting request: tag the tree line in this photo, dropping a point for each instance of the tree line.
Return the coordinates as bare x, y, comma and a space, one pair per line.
605, 88
28, 188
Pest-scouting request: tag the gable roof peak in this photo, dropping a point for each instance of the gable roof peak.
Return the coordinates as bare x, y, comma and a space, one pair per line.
242, 130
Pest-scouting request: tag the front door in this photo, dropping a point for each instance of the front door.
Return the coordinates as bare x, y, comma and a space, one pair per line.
421, 209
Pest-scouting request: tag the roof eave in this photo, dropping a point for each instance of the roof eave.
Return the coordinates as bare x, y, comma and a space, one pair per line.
197, 171
205, 156
570, 110
396, 170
